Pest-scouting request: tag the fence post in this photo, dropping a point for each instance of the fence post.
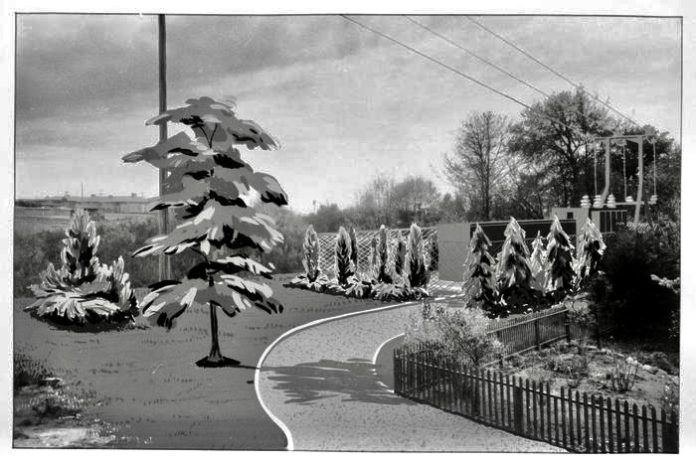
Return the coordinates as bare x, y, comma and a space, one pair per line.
397, 372
567, 325
517, 406
536, 334
671, 431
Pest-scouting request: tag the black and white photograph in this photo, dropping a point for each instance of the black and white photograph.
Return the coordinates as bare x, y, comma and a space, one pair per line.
332, 231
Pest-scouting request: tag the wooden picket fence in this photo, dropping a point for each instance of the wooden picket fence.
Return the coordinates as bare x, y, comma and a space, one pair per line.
532, 332
574, 421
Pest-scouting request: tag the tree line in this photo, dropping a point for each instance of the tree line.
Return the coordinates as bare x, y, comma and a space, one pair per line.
499, 167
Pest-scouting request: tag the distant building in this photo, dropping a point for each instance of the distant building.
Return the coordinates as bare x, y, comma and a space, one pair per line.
93, 203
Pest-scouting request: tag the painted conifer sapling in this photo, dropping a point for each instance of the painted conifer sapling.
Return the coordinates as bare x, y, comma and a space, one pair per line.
559, 268
479, 270
415, 259
216, 195
537, 263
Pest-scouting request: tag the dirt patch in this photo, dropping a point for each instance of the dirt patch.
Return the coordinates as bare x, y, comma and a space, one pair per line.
651, 377
48, 414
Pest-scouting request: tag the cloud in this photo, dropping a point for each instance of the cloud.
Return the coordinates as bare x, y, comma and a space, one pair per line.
344, 103
68, 61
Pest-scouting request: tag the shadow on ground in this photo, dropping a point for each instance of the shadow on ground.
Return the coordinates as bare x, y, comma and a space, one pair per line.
355, 379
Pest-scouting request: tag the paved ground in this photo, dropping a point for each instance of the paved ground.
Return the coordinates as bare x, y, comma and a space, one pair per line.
321, 384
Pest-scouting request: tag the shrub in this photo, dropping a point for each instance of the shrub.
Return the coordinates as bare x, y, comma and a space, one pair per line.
574, 367
513, 269
458, 334
78, 257
415, 259
537, 264
670, 396
359, 289
343, 253
397, 292
83, 291
623, 377
354, 254
590, 251
479, 278
399, 255
382, 257
626, 294
514, 275
465, 336
559, 252
373, 259
310, 254
28, 371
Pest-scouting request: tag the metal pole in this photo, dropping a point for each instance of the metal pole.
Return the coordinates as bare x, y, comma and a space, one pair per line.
639, 199
164, 267
594, 157
654, 170
607, 169
623, 158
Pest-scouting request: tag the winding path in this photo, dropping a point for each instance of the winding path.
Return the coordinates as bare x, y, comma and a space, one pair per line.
319, 385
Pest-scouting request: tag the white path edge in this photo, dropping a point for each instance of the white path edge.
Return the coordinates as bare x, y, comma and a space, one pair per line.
288, 435
376, 355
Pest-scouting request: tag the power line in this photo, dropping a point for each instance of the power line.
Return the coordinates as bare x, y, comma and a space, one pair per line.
549, 68
464, 75
459, 46
468, 51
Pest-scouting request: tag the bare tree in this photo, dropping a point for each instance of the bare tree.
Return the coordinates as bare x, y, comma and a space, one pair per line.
478, 167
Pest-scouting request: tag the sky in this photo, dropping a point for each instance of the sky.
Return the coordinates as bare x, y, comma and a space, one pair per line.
345, 104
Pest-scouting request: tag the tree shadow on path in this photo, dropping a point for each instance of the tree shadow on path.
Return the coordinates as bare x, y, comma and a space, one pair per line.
356, 379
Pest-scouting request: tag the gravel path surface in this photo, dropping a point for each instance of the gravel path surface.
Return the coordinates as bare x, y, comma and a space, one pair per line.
320, 382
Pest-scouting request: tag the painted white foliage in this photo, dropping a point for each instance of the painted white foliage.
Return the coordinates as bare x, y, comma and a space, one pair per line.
310, 254
591, 249
415, 258
513, 268
537, 263
479, 269
83, 290
217, 194
560, 259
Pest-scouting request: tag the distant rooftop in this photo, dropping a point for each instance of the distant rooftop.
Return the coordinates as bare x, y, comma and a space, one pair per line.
93, 198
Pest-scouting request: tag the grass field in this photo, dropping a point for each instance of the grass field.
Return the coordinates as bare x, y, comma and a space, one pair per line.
145, 382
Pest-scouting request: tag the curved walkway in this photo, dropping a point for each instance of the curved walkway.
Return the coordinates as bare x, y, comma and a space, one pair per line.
319, 385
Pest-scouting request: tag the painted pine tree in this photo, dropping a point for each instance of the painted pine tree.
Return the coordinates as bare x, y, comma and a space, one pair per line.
559, 266
354, 253
479, 270
415, 259
343, 255
513, 271
433, 252
374, 259
537, 263
399, 255
310, 254
382, 256
591, 248
217, 195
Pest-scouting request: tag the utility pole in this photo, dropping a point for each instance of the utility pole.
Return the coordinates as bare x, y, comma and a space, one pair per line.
165, 268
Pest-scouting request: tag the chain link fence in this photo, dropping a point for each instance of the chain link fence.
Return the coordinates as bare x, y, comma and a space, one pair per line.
327, 247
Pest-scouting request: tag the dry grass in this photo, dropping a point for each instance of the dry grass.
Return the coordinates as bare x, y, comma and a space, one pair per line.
148, 386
